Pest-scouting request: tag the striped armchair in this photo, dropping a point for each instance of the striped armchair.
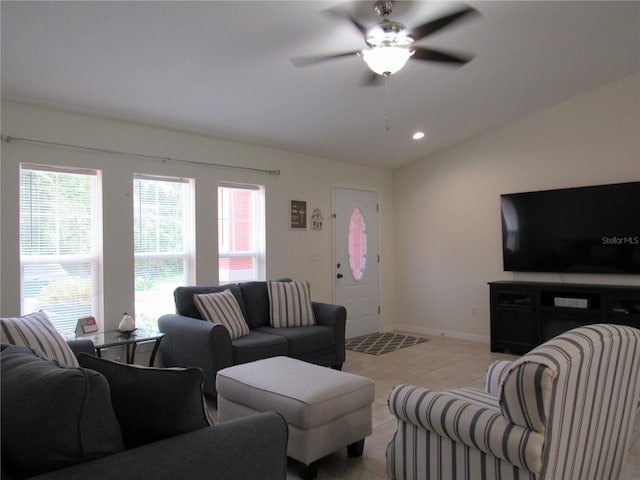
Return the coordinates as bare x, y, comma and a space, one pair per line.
563, 411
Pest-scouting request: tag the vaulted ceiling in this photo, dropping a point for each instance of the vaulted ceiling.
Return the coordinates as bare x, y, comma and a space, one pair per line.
223, 69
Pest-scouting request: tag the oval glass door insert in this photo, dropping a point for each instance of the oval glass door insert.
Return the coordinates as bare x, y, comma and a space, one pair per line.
357, 244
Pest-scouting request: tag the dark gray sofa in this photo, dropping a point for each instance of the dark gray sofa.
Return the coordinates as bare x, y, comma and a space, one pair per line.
191, 341
63, 423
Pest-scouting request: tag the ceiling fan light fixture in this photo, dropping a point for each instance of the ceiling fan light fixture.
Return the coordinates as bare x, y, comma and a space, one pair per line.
386, 59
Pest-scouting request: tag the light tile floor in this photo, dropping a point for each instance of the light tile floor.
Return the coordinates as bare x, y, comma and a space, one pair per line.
438, 364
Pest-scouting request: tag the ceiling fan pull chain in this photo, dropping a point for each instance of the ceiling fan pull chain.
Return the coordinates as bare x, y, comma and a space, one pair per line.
386, 102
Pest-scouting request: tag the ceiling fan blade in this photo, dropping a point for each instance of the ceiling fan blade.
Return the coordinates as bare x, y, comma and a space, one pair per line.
372, 79
428, 54
433, 26
347, 16
312, 60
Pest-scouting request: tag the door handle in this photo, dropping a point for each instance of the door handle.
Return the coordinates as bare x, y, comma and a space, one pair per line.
339, 275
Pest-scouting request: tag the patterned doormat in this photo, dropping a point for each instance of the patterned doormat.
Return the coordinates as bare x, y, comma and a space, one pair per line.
380, 343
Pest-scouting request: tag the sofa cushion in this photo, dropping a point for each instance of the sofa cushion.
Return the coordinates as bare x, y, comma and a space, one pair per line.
290, 304
186, 306
256, 298
303, 341
53, 416
258, 345
223, 308
153, 403
36, 330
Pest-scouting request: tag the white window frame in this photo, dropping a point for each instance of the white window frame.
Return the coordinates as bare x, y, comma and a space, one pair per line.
188, 254
94, 259
258, 233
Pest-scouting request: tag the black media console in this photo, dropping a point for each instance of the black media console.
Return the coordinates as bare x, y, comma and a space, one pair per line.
526, 314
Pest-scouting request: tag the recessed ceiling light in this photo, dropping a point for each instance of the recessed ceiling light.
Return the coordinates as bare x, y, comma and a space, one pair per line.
418, 136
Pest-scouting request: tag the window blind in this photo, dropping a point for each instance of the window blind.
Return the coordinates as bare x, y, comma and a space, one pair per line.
60, 252
163, 244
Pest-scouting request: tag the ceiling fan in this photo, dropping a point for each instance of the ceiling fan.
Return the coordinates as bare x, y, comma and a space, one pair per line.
390, 44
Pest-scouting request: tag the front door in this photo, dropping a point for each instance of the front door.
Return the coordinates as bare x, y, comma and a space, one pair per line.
356, 258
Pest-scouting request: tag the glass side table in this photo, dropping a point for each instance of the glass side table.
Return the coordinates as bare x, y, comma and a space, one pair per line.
130, 340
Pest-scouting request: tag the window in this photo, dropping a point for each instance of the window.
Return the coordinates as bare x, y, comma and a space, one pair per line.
241, 235
357, 246
163, 244
60, 244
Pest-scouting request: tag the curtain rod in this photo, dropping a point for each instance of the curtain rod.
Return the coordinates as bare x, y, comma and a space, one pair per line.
9, 139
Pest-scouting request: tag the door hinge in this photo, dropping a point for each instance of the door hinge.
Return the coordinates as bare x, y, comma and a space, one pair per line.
378, 309
378, 258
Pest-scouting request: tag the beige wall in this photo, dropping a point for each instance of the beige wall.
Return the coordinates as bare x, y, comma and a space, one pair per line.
288, 252
447, 206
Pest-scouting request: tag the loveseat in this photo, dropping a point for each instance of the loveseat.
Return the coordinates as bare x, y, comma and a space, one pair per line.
191, 341
105, 420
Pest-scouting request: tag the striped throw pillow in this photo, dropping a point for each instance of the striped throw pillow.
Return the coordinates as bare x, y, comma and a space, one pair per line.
290, 304
223, 308
36, 331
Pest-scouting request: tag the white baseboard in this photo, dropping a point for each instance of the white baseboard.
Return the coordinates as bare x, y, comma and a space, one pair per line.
432, 332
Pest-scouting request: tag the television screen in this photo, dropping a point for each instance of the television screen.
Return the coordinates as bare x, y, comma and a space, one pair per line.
574, 230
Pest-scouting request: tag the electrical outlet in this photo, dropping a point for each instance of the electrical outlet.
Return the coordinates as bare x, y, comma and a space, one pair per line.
474, 311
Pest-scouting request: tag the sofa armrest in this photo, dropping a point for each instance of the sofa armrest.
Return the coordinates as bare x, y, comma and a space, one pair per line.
334, 316
495, 375
190, 342
464, 421
249, 448
82, 345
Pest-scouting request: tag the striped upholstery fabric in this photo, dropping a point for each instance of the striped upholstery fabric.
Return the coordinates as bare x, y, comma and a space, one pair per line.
290, 304
36, 331
563, 411
593, 402
525, 394
222, 307
495, 376
476, 396
429, 416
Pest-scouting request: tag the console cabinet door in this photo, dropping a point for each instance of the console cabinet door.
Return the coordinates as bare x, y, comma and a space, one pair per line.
514, 331
515, 326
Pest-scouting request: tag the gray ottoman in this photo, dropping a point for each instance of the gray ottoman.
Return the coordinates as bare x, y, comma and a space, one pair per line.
326, 409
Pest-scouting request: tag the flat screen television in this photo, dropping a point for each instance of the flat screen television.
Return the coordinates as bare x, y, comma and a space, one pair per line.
573, 230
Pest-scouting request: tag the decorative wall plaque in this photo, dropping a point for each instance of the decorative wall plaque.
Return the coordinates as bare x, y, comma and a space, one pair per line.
298, 215
316, 219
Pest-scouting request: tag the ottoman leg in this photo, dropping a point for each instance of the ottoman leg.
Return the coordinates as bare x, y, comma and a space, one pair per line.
356, 448
309, 472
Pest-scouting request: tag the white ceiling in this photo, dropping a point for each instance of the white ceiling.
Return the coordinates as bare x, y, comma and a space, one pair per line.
223, 69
